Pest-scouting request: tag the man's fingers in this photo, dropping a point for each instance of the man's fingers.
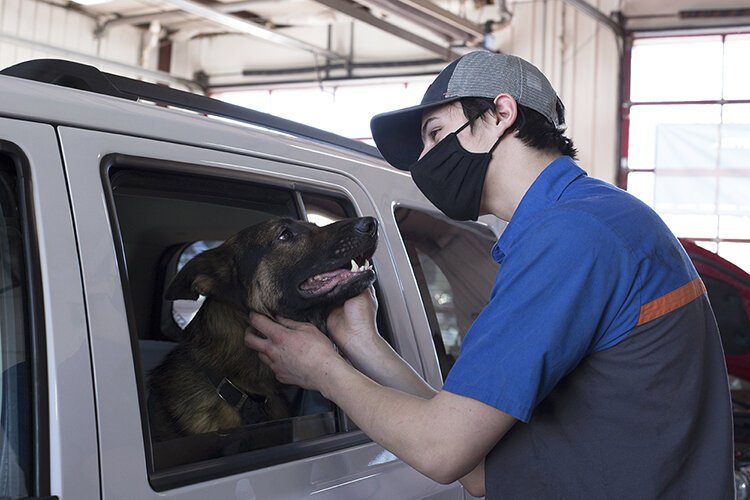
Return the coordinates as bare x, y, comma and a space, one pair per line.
265, 359
253, 341
266, 325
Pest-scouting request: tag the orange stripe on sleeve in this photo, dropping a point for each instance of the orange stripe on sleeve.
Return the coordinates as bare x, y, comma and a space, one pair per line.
671, 301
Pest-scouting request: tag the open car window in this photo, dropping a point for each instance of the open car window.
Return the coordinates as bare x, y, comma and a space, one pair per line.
165, 216
454, 271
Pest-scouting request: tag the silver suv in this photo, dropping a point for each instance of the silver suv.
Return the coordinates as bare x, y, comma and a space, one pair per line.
107, 186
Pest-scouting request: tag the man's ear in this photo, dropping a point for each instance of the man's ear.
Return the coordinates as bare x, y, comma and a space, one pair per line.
202, 275
506, 111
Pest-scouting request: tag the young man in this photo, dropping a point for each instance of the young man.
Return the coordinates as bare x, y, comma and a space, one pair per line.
595, 370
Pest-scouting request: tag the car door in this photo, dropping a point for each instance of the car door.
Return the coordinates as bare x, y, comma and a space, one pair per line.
49, 444
133, 199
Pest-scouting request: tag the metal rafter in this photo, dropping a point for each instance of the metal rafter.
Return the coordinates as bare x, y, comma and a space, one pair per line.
425, 13
242, 26
448, 18
359, 13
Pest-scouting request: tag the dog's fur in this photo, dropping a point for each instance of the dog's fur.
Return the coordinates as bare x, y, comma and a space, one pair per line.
262, 268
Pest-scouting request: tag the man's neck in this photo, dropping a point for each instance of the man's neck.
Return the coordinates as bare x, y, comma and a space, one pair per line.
510, 175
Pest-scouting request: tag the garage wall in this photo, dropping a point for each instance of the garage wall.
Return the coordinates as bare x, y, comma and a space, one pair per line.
31, 29
581, 59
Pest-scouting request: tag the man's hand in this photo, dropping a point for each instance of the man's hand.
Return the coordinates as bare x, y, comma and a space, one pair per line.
298, 353
443, 435
352, 326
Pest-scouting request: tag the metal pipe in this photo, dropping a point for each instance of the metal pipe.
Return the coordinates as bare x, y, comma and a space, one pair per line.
342, 66
131, 69
248, 28
277, 84
422, 68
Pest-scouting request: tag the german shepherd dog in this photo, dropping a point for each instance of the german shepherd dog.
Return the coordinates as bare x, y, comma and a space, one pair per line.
281, 267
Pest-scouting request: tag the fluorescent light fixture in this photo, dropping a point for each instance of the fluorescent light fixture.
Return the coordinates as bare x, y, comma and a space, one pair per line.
90, 2
252, 29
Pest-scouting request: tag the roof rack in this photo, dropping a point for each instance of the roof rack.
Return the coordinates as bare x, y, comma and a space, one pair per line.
84, 77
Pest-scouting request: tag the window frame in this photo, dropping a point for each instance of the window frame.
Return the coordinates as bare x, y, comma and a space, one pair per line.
198, 472
626, 104
35, 319
427, 306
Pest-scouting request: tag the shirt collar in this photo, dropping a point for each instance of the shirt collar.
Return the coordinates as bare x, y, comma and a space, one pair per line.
543, 192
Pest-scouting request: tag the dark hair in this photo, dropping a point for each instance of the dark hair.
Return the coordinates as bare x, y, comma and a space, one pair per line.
530, 126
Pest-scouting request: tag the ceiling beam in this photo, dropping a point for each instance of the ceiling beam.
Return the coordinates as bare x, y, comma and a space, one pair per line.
433, 17
359, 13
246, 27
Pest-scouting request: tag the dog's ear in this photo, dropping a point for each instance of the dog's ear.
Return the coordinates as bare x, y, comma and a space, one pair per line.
202, 275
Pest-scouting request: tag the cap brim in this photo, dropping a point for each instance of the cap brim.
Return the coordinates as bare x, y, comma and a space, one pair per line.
397, 134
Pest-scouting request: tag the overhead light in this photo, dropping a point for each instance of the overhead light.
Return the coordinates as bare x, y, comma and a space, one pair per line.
212, 14
90, 2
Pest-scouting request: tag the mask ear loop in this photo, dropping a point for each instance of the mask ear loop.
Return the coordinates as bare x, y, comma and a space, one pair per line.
469, 121
505, 132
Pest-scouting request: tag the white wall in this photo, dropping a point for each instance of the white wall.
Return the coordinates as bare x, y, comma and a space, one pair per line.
51, 31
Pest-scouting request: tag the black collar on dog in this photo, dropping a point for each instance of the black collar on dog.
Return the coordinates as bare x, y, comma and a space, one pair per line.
250, 406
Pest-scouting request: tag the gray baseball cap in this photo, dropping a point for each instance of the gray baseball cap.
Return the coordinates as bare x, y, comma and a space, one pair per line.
476, 74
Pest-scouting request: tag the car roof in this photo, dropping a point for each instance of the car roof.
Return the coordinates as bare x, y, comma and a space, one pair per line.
151, 111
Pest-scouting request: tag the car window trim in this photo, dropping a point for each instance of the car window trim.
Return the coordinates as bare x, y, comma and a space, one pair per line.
190, 474
37, 345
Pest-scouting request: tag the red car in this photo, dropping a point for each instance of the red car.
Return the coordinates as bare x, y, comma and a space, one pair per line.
729, 292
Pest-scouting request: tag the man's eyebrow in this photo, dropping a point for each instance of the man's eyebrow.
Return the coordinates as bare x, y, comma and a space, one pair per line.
424, 125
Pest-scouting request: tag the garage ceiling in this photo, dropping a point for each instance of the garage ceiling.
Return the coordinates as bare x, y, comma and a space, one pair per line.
442, 30
650, 7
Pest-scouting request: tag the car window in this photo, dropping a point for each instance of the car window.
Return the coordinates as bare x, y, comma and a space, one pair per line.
454, 271
165, 217
325, 209
183, 311
15, 391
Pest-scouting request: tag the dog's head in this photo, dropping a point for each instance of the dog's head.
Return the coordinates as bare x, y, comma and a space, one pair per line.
284, 267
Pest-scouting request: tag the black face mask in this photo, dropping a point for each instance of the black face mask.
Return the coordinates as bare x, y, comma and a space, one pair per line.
453, 178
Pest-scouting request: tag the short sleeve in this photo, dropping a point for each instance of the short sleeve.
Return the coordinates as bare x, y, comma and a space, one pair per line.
559, 291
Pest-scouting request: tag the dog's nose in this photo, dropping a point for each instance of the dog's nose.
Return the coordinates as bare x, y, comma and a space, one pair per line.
366, 225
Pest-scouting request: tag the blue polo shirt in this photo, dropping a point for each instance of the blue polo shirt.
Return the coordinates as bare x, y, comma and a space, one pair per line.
599, 338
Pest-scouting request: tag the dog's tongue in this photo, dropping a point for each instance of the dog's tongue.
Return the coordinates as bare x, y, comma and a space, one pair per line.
325, 282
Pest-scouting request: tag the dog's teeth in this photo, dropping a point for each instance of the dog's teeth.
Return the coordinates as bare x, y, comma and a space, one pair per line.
367, 264
354, 266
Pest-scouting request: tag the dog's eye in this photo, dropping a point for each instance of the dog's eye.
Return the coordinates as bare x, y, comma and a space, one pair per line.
286, 235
